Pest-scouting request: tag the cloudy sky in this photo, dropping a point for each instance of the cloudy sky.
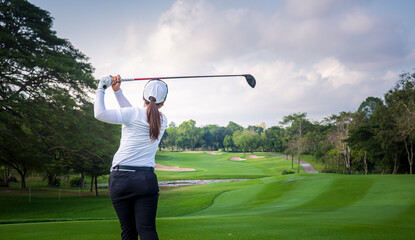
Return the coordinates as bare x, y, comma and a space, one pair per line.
314, 56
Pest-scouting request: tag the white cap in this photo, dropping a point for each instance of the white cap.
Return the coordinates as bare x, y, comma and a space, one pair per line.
157, 89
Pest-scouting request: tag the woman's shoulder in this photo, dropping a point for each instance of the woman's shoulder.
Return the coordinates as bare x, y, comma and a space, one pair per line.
164, 118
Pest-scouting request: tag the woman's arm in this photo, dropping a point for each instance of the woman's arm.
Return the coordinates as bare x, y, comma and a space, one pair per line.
121, 99
115, 116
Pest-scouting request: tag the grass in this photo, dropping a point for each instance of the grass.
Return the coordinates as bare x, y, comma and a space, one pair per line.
34, 180
275, 206
219, 166
45, 205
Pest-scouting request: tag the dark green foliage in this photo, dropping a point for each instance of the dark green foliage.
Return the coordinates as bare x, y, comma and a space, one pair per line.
275, 139
46, 117
75, 182
287, 171
369, 106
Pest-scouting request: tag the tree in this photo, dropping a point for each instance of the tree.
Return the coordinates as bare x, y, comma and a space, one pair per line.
257, 128
35, 63
369, 106
190, 135
401, 102
254, 140
228, 143
20, 148
208, 139
298, 128
312, 141
365, 147
44, 79
172, 135
275, 138
246, 140
240, 139
219, 134
233, 127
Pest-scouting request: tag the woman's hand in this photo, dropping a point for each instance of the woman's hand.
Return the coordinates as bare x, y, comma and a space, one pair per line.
116, 82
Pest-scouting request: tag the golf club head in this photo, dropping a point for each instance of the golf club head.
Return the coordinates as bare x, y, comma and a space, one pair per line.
251, 80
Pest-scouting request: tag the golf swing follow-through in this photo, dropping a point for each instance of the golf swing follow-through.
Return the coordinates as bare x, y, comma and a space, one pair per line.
133, 185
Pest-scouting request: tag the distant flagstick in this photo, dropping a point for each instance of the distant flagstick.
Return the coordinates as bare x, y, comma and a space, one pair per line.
248, 77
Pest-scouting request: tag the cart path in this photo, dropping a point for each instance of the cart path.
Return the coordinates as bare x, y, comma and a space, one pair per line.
306, 166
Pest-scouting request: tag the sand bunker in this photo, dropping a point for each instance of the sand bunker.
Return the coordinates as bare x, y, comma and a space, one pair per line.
253, 156
173, 168
237, 159
213, 153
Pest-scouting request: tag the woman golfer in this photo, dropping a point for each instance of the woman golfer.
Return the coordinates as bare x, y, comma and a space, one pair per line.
133, 184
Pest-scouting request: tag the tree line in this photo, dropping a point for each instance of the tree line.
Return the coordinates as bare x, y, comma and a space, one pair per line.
377, 138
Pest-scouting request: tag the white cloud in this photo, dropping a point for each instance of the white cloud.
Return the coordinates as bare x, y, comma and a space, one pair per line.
391, 76
319, 57
336, 73
356, 23
308, 9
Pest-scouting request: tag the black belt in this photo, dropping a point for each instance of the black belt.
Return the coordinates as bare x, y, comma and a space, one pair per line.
133, 168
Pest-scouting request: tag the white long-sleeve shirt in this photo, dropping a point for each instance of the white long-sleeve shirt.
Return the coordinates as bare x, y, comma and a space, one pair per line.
136, 147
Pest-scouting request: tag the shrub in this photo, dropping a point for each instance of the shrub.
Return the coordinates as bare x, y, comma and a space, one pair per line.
12, 179
75, 182
3, 184
55, 182
329, 170
285, 171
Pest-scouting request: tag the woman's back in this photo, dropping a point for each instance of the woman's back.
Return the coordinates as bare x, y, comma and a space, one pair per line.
136, 147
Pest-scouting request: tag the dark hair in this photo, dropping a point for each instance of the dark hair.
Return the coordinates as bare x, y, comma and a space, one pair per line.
153, 118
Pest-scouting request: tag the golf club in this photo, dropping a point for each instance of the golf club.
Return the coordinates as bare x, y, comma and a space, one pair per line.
248, 77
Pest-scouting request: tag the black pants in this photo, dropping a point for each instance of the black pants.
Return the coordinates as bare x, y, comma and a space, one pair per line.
134, 196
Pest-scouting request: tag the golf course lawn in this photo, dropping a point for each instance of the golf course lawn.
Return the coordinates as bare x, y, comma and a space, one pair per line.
219, 166
274, 206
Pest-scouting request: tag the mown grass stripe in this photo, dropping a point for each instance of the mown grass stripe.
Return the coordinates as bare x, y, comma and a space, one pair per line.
341, 193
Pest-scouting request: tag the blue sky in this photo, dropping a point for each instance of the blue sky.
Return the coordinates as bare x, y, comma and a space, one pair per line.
319, 57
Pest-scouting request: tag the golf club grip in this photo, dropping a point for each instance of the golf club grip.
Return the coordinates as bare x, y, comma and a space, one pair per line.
125, 80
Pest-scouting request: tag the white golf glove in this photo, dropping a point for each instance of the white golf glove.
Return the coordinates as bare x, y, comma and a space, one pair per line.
105, 83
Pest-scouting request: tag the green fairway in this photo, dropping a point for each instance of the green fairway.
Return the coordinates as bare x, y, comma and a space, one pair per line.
275, 206
219, 166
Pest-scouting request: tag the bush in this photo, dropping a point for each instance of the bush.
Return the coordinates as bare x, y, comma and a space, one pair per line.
3, 184
55, 182
12, 179
329, 170
285, 171
75, 182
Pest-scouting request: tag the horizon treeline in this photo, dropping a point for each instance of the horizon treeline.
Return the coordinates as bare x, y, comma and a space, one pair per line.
377, 138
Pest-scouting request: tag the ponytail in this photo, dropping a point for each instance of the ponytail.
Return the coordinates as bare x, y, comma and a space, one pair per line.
153, 118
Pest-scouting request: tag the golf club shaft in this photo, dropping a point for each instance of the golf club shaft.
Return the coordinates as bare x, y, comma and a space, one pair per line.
248, 77
202, 76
